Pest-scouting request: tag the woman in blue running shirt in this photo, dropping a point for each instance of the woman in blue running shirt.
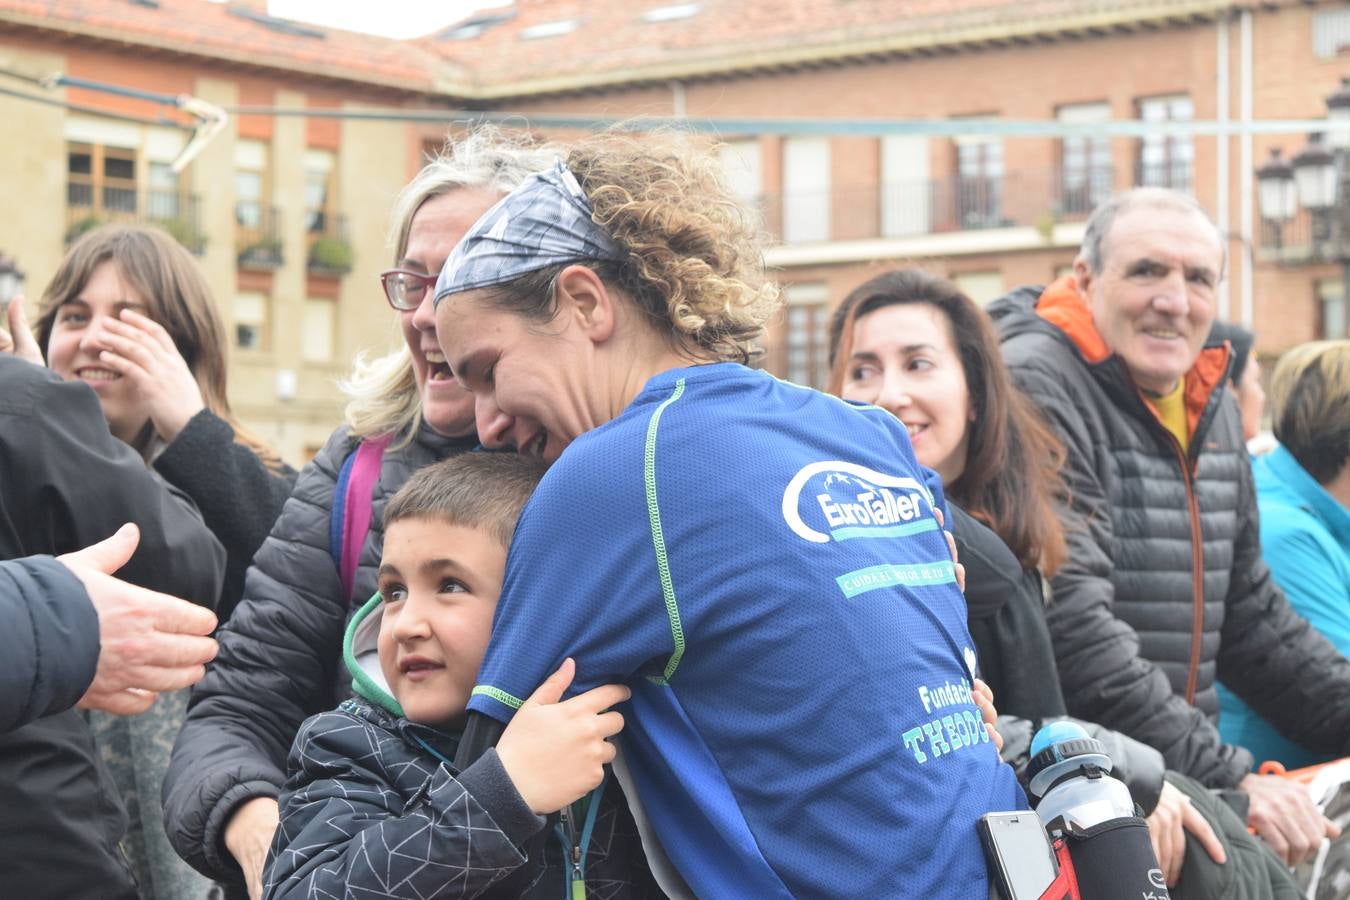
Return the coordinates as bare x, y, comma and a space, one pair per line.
760, 562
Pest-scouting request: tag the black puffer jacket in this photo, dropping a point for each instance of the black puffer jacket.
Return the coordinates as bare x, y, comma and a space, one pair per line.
1164, 587
280, 655
370, 811
1006, 618
65, 483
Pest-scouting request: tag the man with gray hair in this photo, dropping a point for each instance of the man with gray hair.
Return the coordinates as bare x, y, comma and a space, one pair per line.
1164, 590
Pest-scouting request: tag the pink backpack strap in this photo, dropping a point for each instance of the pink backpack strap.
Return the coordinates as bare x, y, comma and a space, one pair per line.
357, 506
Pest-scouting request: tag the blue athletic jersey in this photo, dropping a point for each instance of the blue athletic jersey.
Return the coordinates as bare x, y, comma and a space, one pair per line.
760, 562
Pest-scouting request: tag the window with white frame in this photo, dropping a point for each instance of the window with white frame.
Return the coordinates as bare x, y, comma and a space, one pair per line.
1166, 160
250, 183
250, 320
743, 168
1334, 314
318, 325
319, 199
982, 287
1085, 159
906, 192
807, 358
806, 189
979, 181
1331, 32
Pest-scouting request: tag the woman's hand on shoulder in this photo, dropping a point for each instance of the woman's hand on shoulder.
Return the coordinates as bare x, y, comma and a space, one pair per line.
141, 350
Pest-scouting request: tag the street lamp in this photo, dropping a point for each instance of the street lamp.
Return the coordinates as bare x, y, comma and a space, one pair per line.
1275, 193
1318, 180
11, 279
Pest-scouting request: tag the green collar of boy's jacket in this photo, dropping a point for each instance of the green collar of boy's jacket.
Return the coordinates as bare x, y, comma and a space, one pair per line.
363, 684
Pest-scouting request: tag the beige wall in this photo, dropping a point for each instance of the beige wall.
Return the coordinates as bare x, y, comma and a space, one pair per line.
33, 173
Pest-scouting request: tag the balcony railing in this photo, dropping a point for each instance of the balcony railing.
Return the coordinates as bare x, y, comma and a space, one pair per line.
330, 253
1307, 238
257, 236
1019, 198
88, 207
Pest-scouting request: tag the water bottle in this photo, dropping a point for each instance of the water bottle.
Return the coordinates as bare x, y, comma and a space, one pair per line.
1077, 799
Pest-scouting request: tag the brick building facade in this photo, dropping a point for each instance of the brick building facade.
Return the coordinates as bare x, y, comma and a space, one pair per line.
289, 213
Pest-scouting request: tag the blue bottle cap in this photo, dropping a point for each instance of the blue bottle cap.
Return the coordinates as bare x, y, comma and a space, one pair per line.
1055, 733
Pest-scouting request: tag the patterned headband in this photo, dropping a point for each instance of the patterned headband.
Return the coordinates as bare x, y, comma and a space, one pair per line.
544, 222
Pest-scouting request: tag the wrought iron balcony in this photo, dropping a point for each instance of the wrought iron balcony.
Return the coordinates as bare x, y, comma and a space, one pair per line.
88, 207
330, 253
257, 236
1019, 198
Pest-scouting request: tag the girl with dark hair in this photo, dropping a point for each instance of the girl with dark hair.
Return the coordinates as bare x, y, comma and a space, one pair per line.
916, 346
129, 313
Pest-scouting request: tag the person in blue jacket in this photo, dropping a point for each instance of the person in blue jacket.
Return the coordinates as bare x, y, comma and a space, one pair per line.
1303, 493
761, 563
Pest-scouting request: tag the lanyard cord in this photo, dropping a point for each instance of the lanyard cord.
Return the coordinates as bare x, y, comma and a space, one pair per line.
576, 887
433, 751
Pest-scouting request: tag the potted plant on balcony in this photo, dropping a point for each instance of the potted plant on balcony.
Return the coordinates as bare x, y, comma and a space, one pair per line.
263, 253
184, 232
83, 226
330, 255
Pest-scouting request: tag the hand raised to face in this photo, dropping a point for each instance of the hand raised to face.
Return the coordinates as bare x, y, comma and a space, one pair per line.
139, 349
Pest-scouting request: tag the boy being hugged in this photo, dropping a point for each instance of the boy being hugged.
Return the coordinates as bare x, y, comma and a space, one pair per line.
374, 806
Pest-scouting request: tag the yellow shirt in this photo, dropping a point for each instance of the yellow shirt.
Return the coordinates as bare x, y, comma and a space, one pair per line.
1171, 409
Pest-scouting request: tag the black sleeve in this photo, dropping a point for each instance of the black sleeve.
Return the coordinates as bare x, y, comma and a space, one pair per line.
1006, 618
1104, 678
48, 640
277, 665
239, 497
67, 483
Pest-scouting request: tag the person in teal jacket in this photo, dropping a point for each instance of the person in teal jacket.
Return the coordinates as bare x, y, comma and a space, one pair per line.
1303, 491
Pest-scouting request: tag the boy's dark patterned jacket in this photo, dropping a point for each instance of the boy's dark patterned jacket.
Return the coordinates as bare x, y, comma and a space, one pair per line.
372, 808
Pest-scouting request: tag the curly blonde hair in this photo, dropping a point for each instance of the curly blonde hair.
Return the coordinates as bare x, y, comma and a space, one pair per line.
694, 253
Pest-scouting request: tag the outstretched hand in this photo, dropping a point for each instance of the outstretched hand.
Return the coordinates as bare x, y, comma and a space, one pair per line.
17, 338
148, 642
555, 750
141, 350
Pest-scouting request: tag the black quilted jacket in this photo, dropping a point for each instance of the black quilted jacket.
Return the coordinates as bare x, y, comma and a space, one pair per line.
1164, 588
370, 811
280, 656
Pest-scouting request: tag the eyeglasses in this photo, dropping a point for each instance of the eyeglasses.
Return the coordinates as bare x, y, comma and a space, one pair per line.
404, 289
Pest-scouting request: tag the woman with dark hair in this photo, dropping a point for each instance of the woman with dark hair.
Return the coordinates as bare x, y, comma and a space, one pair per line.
916, 346
129, 313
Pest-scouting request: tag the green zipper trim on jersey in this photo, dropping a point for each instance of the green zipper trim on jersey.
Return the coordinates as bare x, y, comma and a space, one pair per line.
487, 690
658, 538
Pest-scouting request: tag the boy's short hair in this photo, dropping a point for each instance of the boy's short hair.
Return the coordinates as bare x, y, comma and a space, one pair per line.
484, 491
